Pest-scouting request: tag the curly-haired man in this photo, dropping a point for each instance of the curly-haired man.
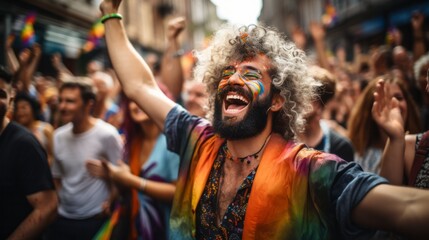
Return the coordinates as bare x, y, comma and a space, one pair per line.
243, 175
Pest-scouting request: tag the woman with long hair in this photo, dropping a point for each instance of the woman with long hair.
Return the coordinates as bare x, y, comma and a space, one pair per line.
148, 175
367, 137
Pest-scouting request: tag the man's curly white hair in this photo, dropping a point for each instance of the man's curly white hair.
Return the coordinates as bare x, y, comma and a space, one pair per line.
289, 72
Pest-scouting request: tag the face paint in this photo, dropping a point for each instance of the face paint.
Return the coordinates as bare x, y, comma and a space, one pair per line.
247, 76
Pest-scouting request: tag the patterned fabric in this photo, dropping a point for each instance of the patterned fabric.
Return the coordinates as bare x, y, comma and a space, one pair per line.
151, 216
232, 223
297, 193
422, 178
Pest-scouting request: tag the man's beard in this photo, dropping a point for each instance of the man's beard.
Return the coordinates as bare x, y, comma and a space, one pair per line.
252, 123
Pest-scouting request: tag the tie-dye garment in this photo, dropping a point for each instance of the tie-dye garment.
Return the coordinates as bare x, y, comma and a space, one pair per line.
297, 193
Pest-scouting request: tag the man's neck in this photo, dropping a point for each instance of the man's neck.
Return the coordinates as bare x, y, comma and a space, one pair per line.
84, 125
244, 147
4, 124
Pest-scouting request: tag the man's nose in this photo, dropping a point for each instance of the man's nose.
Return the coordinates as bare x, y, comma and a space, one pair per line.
236, 79
190, 97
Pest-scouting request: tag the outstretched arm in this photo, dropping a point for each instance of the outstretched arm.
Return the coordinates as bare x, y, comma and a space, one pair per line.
171, 67
396, 209
134, 75
387, 115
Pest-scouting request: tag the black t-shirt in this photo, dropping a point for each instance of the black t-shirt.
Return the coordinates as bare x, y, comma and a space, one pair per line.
24, 170
340, 146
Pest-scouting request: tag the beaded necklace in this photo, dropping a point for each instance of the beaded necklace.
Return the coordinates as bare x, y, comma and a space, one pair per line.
248, 158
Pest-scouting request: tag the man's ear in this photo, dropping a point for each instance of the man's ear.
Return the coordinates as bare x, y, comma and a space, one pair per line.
277, 103
90, 105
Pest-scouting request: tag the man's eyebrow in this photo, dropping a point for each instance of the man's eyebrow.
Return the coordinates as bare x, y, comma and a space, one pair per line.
251, 68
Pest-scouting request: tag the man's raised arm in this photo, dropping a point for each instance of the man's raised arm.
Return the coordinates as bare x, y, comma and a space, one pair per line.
135, 76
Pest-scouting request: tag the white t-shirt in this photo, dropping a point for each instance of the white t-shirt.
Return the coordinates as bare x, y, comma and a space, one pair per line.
82, 195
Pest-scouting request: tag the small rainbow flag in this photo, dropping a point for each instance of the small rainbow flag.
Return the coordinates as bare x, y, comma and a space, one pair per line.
94, 36
28, 37
330, 15
391, 36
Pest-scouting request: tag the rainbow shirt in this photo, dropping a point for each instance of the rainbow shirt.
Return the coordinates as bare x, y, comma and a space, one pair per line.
297, 193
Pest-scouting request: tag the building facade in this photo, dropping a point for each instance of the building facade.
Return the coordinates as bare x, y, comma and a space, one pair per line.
64, 26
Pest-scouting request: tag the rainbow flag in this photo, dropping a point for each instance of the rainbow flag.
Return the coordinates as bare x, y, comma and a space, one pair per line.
391, 35
106, 230
330, 15
94, 36
28, 37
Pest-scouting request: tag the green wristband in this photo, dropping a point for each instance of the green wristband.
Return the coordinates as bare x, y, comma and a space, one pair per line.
110, 16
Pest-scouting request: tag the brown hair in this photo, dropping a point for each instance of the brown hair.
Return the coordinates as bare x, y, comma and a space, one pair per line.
84, 84
363, 130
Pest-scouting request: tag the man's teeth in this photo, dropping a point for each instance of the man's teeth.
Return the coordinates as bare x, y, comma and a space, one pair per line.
230, 97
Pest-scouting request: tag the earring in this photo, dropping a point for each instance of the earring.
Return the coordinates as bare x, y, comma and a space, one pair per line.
268, 109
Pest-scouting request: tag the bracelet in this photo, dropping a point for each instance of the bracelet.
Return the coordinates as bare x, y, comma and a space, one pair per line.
143, 185
110, 16
178, 53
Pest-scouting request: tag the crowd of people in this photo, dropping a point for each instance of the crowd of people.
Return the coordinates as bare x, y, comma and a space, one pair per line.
264, 142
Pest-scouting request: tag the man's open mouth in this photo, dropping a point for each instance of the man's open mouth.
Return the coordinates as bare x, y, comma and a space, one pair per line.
234, 103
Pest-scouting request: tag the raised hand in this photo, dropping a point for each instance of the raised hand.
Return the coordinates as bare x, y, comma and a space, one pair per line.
57, 61
386, 112
299, 38
24, 56
417, 20
110, 6
175, 27
317, 31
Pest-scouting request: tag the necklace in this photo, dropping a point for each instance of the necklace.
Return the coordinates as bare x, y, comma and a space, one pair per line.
248, 158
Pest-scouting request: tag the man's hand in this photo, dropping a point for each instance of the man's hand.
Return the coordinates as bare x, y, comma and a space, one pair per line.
299, 38
417, 20
98, 168
386, 112
24, 56
317, 31
109, 6
175, 27
106, 170
57, 60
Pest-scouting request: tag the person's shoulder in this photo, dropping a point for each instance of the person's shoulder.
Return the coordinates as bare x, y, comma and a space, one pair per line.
46, 128
63, 129
105, 128
17, 132
316, 159
18, 137
338, 138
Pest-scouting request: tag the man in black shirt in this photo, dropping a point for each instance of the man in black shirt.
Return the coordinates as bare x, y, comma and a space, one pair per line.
28, 201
